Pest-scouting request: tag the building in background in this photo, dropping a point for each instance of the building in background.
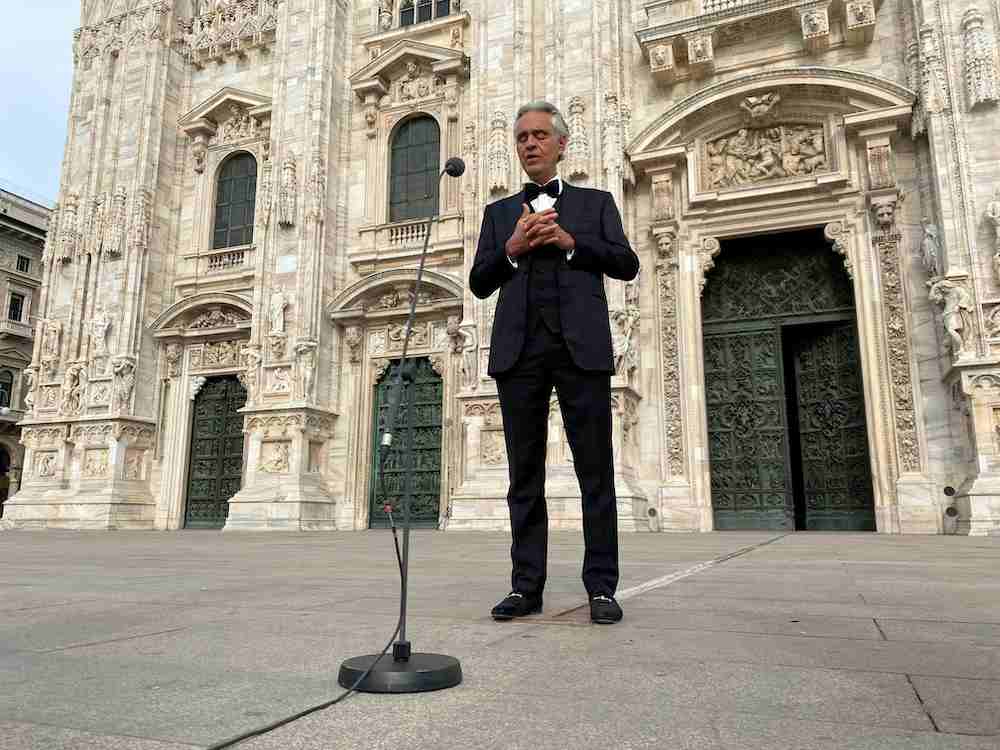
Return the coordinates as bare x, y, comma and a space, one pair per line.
23, 224
812, 188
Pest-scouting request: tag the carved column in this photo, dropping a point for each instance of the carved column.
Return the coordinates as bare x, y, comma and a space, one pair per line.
978, 498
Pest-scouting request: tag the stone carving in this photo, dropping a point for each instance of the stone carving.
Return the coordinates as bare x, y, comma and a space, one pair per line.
837, 234
918, 126
880, 172
28, 378
934, 84
379, 367
438, 364
354, 339
45, 465
52, 237
277, 345
138, 231
124, 383
993, 322
216, 317
199, 150
51, 331
68, 234
662, 194
95, 465
498, 156
992, 217
385, 14
624, 344
710, 249
578, 149
760, 109
112, 247
280, 380
288, 193
249, 376
216, 354
956, 314
276, 310
172, 354
815, 22
456, 38
73, 389
613, 146
884, 211
418, 335
666, 270
930, 248
463, 343
980, 60
492, 448
756, 154
100, 394
100, 324
238, 126
317, 190
661, 60
275, 460
417, 83
229, 27
886, 247
97, 225
470, 149
194, 385
700, 51
265, 196
305, 353
133, 465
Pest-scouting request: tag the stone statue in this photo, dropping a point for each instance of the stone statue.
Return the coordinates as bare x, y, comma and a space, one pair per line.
73, 387
100, 324
46, 465
469, 367
956, 311
28, 376
278, 462
930, 248
287, 193
124, 371
306, 351
385, 14
50, 338
622, 340
276, 315
993, 218
250, 374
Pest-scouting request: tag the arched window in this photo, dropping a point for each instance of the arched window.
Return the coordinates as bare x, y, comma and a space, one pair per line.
6, 387
234, 202
417, 11
413, 171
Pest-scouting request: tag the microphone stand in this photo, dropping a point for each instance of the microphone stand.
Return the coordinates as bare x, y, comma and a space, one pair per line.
406, 672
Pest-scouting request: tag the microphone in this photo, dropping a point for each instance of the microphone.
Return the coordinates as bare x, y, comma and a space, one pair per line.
454, 167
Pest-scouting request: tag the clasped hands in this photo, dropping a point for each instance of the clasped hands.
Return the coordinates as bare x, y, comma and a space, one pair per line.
535, 230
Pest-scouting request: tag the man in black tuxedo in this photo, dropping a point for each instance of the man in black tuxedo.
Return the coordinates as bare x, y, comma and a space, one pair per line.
547, 250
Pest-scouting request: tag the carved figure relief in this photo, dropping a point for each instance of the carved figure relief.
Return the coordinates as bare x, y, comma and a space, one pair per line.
228, 27
992, 217
97, 224
913, 81
73, 388
418, 335
287, 195
124, 384
760, 109
578, 148
980, 60
172, 354
752, 155
274, 458
138, 231
624, 346
250, 374
280, 381
216, 317
133, 465
68, 228
116, 230
354, 339
317, 190
51, 331
417, 83
100, 324
930, 248
385, 8
956, 313
305, 352
28, 376
276, 311
662, 193
45, 465
498, 156
95, 465
238, 126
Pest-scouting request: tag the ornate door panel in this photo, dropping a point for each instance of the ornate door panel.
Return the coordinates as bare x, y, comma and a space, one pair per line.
836, 469
425, 396
747, 434
215, 470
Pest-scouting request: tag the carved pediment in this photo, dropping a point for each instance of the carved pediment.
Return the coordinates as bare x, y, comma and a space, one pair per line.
229, 115
410, 70
203, 313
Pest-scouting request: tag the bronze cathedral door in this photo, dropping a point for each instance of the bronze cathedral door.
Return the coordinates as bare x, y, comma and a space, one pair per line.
788, 444
215, 469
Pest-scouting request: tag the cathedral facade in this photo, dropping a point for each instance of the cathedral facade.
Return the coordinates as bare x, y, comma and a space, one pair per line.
813, 341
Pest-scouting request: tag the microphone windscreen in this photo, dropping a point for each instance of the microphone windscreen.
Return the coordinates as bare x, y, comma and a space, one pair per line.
455, 167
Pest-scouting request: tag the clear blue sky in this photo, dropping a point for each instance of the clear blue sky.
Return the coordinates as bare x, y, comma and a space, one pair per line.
36, 70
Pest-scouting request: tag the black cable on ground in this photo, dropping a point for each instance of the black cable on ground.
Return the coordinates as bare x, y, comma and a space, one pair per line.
383, 454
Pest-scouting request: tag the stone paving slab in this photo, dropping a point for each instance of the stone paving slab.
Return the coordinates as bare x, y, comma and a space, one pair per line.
157, 641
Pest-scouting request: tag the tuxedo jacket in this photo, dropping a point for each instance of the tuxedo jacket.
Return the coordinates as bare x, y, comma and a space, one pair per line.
602, 249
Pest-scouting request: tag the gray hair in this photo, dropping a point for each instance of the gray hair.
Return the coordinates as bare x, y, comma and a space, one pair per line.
540, 105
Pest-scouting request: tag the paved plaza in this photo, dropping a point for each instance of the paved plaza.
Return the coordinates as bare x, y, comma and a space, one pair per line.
163, 641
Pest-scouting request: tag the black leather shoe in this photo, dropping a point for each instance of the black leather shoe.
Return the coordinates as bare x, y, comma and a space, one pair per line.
516, 605
604, 610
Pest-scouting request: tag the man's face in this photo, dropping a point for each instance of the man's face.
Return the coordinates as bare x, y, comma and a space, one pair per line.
538, 145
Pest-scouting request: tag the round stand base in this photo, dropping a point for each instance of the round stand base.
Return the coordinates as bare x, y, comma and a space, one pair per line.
421, 672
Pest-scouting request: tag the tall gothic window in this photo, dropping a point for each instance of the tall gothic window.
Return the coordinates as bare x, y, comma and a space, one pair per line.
234, 202
413, 171
418, 11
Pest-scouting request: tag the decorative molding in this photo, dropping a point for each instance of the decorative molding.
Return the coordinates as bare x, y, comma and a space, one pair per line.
707, 253
230, 29
980, 60
124, 384
144, 24
667, 269
838, 235
195, 383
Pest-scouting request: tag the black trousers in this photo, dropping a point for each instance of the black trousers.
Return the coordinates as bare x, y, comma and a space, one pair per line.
585, 401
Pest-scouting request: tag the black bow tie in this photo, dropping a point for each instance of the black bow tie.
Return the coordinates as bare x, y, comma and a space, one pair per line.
533, 190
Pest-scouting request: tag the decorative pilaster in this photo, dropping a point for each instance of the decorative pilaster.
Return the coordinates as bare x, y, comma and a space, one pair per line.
981, 85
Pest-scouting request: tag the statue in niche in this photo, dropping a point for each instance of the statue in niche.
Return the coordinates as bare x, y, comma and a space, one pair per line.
956, 313
73, 388
993, 218
623, 340
276, 314
124, 372
930, 248
287, 193
100, 324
